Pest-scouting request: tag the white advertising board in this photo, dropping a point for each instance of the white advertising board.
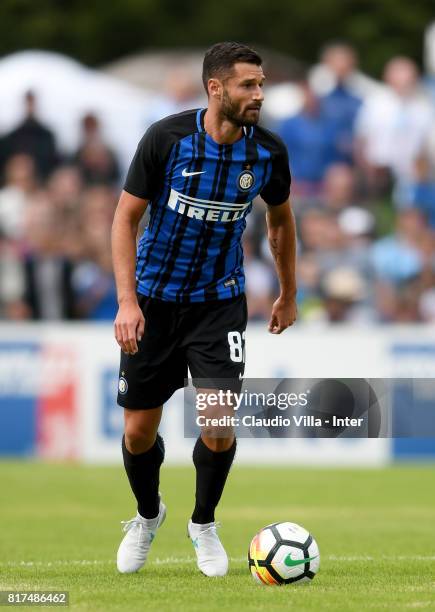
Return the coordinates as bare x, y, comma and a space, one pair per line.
92, 433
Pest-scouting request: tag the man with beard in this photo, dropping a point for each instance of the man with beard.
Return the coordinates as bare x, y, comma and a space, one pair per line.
181, 294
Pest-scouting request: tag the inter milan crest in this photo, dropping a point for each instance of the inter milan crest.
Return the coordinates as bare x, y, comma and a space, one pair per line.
246, 180
122, 386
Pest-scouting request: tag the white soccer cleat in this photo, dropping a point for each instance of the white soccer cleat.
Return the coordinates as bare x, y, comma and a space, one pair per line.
211, 557
134, 548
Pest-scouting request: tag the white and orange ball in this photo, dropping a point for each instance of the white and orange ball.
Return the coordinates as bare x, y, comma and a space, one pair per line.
283, 553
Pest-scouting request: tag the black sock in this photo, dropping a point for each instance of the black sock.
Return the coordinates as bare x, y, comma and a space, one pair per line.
143, 472
211, 473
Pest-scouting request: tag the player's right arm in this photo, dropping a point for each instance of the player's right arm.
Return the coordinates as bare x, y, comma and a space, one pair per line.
129, 322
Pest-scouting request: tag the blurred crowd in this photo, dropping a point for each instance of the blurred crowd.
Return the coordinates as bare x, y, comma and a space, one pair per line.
55, 218
362, 157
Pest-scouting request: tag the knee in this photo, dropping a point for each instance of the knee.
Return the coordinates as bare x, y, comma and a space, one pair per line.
218, 445
138, 440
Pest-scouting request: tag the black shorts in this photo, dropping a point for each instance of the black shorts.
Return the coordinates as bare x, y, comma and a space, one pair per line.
206, 337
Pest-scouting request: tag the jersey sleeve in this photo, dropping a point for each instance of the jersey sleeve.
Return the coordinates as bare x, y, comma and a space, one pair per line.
277, 189
147, 166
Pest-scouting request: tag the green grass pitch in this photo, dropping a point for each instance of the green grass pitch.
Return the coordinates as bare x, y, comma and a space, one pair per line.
375, 528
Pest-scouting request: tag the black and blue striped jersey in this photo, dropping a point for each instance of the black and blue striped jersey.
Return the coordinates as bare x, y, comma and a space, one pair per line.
199, 194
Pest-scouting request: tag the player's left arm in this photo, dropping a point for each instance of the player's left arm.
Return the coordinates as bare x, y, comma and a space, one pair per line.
281, 230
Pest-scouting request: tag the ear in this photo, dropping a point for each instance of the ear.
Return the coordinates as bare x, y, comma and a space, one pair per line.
215, 88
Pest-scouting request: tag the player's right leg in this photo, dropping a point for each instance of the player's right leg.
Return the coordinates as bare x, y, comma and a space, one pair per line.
147, 380
143, 453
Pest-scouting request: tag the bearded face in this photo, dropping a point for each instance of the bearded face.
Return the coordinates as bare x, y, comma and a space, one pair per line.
239, 112
242, 95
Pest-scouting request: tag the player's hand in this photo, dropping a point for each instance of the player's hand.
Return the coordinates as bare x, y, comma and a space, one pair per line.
129, 326
284, 313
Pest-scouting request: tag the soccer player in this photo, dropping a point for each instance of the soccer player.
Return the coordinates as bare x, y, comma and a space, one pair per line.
181, 296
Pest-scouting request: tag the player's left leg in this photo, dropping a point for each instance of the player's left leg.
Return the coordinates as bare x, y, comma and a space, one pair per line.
213, 456
215, 355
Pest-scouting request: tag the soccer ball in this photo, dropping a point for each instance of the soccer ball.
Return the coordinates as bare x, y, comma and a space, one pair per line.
283, 553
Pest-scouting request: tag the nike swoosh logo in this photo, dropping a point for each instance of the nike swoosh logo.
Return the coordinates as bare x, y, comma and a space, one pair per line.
293, 562
185, 173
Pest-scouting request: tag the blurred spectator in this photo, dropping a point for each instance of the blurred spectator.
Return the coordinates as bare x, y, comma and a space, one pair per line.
94, 287
48, 272
421, 195
19, 183
338, 187
65, 187
259, 283
329, 242
95, 160
358, 225
12, 282
344, 291
256, 231
398, 258
341, 103
391, 125
65, 190
98, 205
427, 153
310, 139
400, 303
404, 264
339, 66
32, 138
182, 91
427, 306
406, 307
319, 231
93, 279
308, 283
355, 223
429, 57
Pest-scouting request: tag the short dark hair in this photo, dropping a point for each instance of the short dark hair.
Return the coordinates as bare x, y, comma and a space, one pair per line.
221, 57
